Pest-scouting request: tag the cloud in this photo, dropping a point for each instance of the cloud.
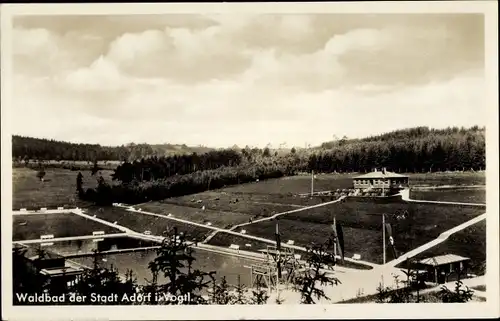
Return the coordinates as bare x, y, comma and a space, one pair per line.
248, 79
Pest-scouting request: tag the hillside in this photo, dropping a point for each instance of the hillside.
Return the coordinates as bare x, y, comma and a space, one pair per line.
45, 149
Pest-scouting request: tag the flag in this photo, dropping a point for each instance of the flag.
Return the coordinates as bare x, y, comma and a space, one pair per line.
391, 239
278, 249
278, 239
339, 238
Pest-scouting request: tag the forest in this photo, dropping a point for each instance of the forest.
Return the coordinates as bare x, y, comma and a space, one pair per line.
413, 150
28, 148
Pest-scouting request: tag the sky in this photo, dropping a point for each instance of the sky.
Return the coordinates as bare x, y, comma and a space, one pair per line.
220, 80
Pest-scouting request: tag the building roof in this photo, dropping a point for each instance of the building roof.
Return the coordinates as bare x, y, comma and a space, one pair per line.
443, 259
380, 174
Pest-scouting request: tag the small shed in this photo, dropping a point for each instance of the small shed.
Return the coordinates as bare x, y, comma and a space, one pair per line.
440, 268
51, 265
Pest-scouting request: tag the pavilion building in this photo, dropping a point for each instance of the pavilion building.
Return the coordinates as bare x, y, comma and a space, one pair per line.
381, 180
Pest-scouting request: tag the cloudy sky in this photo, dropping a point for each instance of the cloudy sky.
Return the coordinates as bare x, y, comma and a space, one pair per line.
220, 80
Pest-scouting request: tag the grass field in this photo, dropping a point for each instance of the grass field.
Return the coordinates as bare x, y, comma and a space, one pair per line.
224, 239
255, 205
60, 225
295, 184
448, 178
471, 195
470, 242
429, 220
367, 243
58, 189
216, 218
143, 222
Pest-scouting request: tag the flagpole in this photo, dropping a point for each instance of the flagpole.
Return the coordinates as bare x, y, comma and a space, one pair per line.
312, 183
335, 246
383, 235
278, 265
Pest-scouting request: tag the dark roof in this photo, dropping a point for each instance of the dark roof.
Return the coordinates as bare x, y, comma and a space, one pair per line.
380, 174
443, 259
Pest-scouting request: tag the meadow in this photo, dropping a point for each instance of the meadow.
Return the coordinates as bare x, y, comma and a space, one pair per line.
251, 205
367, 243
142, 222
196, 214
57, 189
32, 226
466, 195
425, 221
295, 184
448, 179
224, 239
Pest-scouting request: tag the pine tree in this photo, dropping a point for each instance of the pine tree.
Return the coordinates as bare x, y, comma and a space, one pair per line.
320, 259
174, 259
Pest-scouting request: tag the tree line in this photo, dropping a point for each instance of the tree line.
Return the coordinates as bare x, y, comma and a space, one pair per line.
148, 169
433, 151
139, 191
29, 148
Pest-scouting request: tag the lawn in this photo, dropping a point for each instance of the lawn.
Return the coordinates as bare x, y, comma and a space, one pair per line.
57, 189
196, 214
253, 205
425, 222
143, 222
224, 239
367, 243
470, 242
448, 178
295, 184
470, 195
223, 196
32, 226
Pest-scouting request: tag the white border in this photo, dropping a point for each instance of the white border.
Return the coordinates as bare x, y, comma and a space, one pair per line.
337, 311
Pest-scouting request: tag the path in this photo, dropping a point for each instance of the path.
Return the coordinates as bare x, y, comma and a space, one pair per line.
405, 196
279, 204
71, 238
440, 239
52, 211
